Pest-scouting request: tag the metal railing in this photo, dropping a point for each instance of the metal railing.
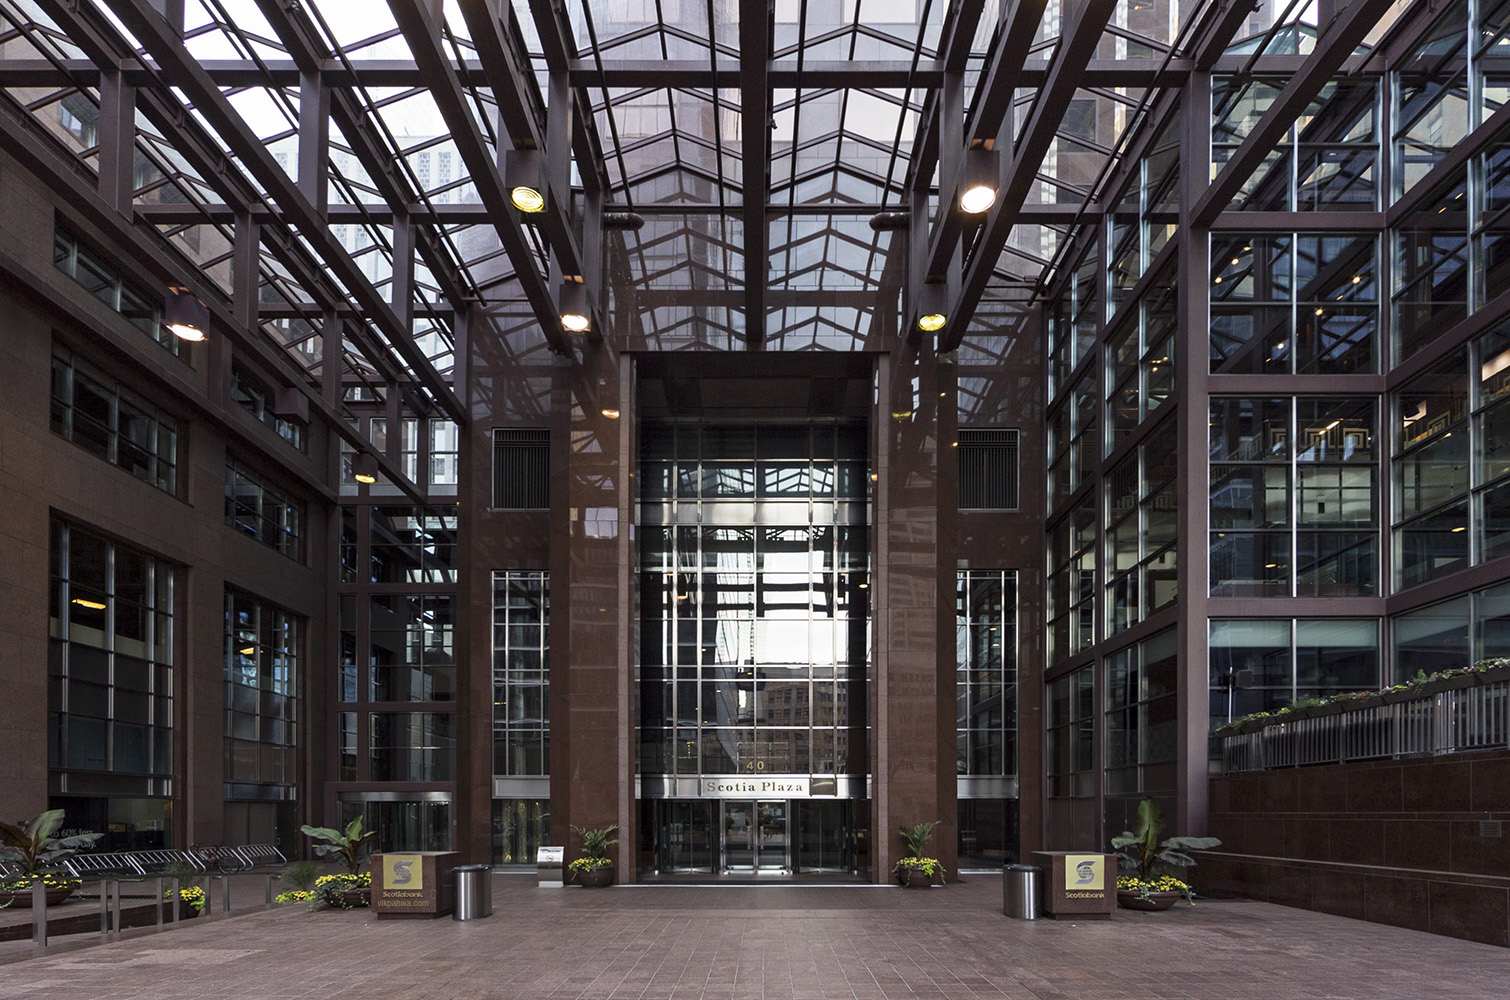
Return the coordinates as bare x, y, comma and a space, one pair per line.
106, 871
1418, 724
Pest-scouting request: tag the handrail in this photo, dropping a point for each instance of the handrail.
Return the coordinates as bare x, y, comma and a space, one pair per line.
1455, 720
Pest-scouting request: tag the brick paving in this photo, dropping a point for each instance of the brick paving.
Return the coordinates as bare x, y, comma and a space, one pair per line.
771, 943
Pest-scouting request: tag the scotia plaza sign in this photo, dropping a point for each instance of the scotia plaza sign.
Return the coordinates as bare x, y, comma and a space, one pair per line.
758, 787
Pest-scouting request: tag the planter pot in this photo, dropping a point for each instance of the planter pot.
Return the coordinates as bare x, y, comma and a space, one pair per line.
22, 899
1155, 901
1396, 697
918, 879
1452, 683
353, 898
1493, 675
597, 878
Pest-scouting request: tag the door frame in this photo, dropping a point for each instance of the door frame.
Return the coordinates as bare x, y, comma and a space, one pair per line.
757, 847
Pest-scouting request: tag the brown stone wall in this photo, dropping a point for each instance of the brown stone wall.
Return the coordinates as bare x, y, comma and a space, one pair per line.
43, 475
1421, 843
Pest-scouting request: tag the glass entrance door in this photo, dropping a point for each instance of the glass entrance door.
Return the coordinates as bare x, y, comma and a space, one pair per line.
755, 837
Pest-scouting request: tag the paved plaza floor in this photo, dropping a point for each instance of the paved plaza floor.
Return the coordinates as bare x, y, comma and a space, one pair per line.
675, 942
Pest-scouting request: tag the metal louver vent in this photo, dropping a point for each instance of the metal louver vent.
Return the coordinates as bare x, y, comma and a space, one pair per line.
988, 469
521, 468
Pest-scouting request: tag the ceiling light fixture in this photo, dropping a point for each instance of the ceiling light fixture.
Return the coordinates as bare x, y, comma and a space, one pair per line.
932, 307
91, 605
524, 175
571, 302
364, 467
186, 317
979, 181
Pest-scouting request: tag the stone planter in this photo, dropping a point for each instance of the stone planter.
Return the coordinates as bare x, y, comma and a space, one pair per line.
597, 878
22, 899
1130, 900
918, 879
1452, 683
352, 899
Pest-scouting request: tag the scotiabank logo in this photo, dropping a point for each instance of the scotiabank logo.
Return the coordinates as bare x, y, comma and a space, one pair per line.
1085, 873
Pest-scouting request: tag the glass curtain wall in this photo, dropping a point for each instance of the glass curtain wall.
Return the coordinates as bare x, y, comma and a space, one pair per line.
262, 719
521, 714
754, 561
396, 672
986, 714
111, 687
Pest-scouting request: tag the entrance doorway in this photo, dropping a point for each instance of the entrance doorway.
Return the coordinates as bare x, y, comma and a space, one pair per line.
753, 836
756, 837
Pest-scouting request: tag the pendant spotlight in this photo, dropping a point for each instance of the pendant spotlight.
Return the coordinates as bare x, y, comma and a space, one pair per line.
524, 175
186, 317
933, 307
979, 182
364, 467
571, 304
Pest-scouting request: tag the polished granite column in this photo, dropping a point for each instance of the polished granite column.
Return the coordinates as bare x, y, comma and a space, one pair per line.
913, 746
592, 774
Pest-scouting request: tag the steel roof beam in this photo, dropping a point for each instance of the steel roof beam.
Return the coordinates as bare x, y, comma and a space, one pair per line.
755, 42
990, 106
422, 34
204, 154
146, 253
557, 44
519, 108
292, 30
168, 50
675, 73
506, 68
1076, 45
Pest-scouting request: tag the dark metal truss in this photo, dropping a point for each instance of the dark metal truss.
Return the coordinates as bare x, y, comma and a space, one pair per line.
1004, 94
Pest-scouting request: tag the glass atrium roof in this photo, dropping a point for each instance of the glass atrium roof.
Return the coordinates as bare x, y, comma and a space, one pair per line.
769, 147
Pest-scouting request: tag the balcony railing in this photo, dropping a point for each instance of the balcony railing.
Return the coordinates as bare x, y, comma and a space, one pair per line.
1396, 724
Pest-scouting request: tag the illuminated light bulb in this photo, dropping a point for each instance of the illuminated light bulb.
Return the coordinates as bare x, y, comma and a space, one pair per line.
527, 199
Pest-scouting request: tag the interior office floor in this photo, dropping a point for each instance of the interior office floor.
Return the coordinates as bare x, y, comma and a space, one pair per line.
672, 942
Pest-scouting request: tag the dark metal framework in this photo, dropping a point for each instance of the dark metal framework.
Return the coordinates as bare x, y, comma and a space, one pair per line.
345, 172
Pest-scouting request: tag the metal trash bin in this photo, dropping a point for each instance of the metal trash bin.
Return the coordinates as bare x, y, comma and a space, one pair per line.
474, 892
1020, 891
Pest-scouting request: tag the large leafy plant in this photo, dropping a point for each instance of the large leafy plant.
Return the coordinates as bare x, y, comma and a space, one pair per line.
346, 845
1142, 851
33, 846
596, 841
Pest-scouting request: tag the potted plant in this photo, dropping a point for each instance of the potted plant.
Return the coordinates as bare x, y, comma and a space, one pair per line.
192, 897
1150, 882
33, 848
913, 870
352, 887
300, 877
594, 869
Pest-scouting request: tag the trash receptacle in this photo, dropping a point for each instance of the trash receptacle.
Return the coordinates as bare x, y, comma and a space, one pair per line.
474, 892
1020, 891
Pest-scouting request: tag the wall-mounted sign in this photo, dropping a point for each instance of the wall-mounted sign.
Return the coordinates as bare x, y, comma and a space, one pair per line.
763, 787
